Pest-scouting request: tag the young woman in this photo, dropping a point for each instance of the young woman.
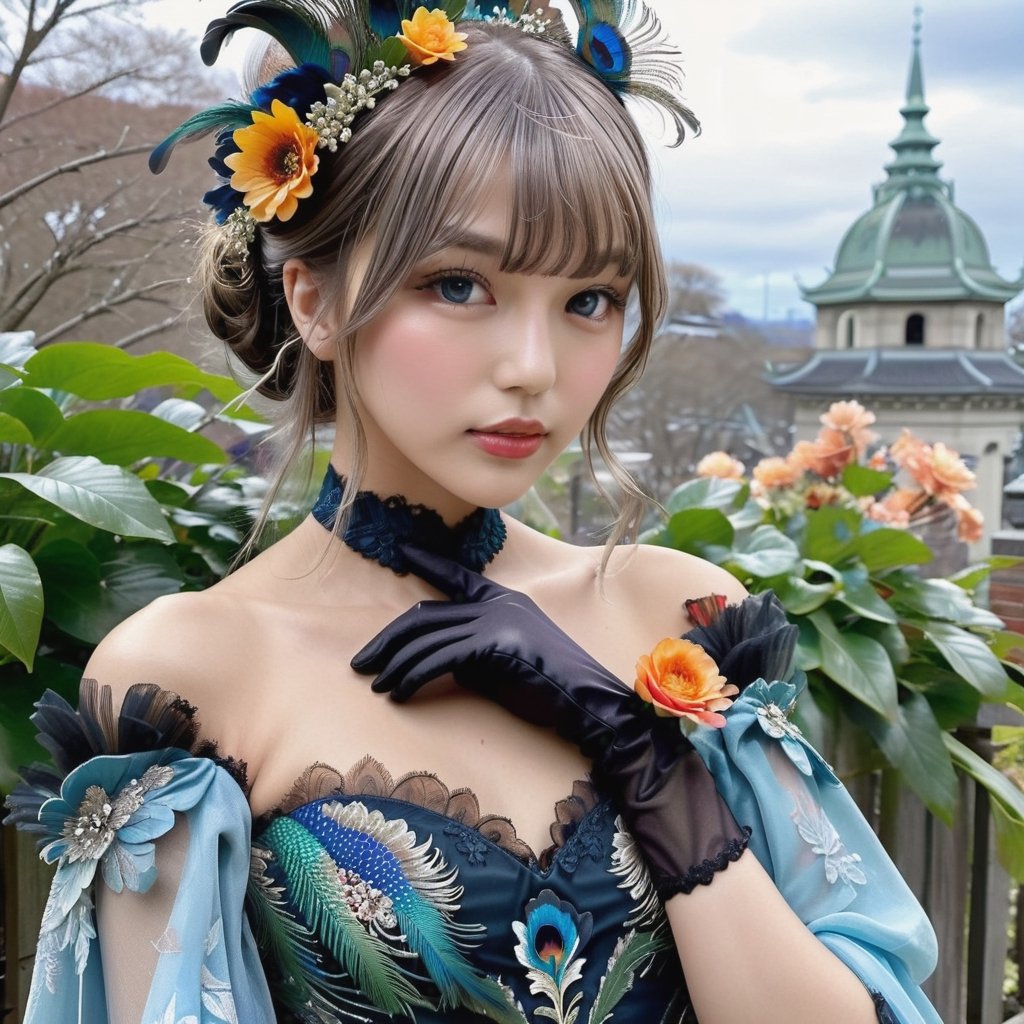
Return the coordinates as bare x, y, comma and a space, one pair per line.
433, 253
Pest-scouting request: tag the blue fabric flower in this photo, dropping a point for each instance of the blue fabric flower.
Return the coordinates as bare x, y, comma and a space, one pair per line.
108, 812
773, 703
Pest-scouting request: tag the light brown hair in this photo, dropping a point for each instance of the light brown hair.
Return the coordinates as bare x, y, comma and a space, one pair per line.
511, 108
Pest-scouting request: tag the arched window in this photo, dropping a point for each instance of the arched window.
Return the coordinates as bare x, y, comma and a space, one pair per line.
915, 329
846, 329
979, 330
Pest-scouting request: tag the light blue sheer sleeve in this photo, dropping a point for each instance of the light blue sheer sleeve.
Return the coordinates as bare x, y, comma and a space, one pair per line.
104, 822
821, 853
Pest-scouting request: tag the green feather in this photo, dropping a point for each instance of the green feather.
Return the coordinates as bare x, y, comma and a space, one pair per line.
224, 115
635, 948
313, 886
301, 28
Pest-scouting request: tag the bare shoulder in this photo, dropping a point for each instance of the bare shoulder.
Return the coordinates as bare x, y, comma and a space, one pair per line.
656, 575
179, 642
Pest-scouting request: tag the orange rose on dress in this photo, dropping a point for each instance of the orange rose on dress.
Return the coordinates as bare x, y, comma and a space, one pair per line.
681, 680
277, 158
430, 36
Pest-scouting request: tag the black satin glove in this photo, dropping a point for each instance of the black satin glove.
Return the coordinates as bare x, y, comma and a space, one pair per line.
498, 643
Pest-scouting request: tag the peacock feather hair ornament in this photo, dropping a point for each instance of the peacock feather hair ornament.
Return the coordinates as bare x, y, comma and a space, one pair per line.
334, 59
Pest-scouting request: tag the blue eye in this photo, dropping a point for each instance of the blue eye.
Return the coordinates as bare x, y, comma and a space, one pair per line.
592, 304
456, 289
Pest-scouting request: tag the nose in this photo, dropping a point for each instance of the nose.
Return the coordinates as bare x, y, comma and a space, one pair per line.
527, 359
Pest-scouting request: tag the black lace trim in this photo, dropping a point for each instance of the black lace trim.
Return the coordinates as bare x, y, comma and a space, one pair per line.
369, 777
704, 872
882, 1009
377, 527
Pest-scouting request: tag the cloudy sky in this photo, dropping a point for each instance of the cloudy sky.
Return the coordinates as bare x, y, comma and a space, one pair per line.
799, 99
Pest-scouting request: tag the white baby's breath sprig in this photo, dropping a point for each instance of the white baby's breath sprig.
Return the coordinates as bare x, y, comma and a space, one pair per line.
532, 24
241, 229
332, 120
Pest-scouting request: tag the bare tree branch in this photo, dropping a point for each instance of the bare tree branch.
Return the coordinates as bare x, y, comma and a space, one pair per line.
74, 165
68, 97
147, 332
103, 306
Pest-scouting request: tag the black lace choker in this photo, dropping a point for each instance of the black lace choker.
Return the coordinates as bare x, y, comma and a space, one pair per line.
377, 526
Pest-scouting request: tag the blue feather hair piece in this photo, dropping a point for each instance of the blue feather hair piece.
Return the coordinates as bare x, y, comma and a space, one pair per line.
624, 43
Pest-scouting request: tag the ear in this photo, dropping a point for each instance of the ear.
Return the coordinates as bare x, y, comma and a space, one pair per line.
309, 314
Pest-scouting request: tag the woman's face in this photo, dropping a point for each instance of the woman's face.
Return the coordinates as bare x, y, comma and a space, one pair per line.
472, 380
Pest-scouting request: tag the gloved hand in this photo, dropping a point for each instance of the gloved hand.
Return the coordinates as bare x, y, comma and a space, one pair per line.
498, 643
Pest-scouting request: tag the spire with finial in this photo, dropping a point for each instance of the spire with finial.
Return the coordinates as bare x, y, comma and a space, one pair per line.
914, 167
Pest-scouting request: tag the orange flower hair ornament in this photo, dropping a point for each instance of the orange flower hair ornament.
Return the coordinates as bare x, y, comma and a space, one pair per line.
679, 678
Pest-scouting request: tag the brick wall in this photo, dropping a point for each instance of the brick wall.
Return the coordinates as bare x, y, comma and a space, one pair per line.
1006, 590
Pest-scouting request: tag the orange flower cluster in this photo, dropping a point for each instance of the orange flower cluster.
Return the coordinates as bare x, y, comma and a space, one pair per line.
940, 474
811, 475
680, 679
721, 465
429, 37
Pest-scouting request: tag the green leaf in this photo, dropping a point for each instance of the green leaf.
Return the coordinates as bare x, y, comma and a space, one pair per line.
98, 372
941, 599
859, 595
798, 596
705, 492
107, 497
1009, 830
862, 482
21, 603
831, 534
749, 515
890, 636
886, 548
13, 431
87, 596
912, 742
974, 575
858, 664
124, 436
968, 655
952, 701
1007, 644
20, 691
808, 646
37, 411
694, 529
766, 552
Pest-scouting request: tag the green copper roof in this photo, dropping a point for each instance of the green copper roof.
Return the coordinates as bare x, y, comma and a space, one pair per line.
914, 244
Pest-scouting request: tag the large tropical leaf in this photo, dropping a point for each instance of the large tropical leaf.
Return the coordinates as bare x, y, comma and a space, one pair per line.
858, 664
99, 372
107, 497
124, 436
968, 655
1007, 803
37, 411
87, 596
21, 603
912, 742
765, 552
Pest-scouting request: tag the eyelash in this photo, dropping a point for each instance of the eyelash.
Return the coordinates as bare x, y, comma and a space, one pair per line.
615, 298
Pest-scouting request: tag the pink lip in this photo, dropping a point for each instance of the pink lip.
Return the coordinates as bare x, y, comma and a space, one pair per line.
510, 439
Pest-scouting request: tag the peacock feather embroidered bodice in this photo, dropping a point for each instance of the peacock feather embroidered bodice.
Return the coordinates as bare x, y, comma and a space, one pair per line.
368, 898
413, 903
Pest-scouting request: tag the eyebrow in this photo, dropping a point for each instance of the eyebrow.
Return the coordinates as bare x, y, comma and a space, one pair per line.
488, 245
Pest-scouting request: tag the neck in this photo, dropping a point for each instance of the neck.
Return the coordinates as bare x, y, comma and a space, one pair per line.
378, 526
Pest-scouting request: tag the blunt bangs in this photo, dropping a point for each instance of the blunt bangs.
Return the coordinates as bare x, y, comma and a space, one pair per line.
569, 155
